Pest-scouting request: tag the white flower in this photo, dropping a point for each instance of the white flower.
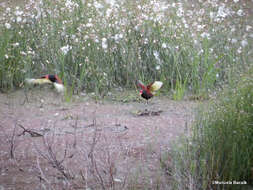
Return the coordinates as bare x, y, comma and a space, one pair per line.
112, 2
108, 12
146, 41
200, 27
23, 53
240, 12
15, 44
19, 19
156, 54
159, 6
6, 56
239, 50
31, 52
158, 67
205, 35
89, 25
233, 41
212, 15
71, 5
18, 13
248, 28
164, 45
201, 12
98, 5
96, 40
104, 43
65, 49
180, 12
223, 11
244, 43
200, 52
73, 36
236, 1
7, 25
118, 36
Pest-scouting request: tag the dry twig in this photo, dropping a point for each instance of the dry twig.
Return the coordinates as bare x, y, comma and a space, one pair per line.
51, 157
31, 132
12, 142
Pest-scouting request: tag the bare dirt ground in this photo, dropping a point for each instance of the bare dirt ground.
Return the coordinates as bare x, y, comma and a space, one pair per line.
46, 143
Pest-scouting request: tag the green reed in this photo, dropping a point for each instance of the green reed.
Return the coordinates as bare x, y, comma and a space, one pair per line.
111, 51
220, 147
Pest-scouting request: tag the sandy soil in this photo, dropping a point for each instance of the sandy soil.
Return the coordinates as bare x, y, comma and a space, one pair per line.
84, 144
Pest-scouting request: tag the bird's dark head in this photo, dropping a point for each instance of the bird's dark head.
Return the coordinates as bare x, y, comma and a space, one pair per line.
145, 94
53, 78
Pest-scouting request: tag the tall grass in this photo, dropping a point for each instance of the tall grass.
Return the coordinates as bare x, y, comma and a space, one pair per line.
98, 45
220, 149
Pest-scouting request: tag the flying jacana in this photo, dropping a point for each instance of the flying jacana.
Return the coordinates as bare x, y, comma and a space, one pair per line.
148, 91
50, 79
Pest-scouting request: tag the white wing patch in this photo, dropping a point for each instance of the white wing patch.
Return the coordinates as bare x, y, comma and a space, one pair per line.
156, 86
59, 87
37, 81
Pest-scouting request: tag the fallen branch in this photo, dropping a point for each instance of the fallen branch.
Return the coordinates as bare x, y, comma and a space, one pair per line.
149, 113
50, 156
42, 176
31, 132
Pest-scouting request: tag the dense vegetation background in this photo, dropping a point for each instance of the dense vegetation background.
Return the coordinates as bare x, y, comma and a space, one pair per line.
197, 47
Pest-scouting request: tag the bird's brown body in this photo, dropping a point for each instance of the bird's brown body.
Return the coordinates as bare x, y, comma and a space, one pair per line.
148, 91
145, 94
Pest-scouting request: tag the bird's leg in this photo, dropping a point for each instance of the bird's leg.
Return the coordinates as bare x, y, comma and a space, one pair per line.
147, 105
26, 96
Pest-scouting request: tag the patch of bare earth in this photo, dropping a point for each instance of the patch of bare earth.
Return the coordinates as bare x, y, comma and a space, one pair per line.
46, 143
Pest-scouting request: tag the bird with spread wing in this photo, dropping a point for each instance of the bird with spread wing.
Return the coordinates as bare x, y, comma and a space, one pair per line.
148, 91
48, 79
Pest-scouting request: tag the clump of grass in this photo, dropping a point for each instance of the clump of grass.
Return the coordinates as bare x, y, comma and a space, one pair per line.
99, 45
220, 148
180, 89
